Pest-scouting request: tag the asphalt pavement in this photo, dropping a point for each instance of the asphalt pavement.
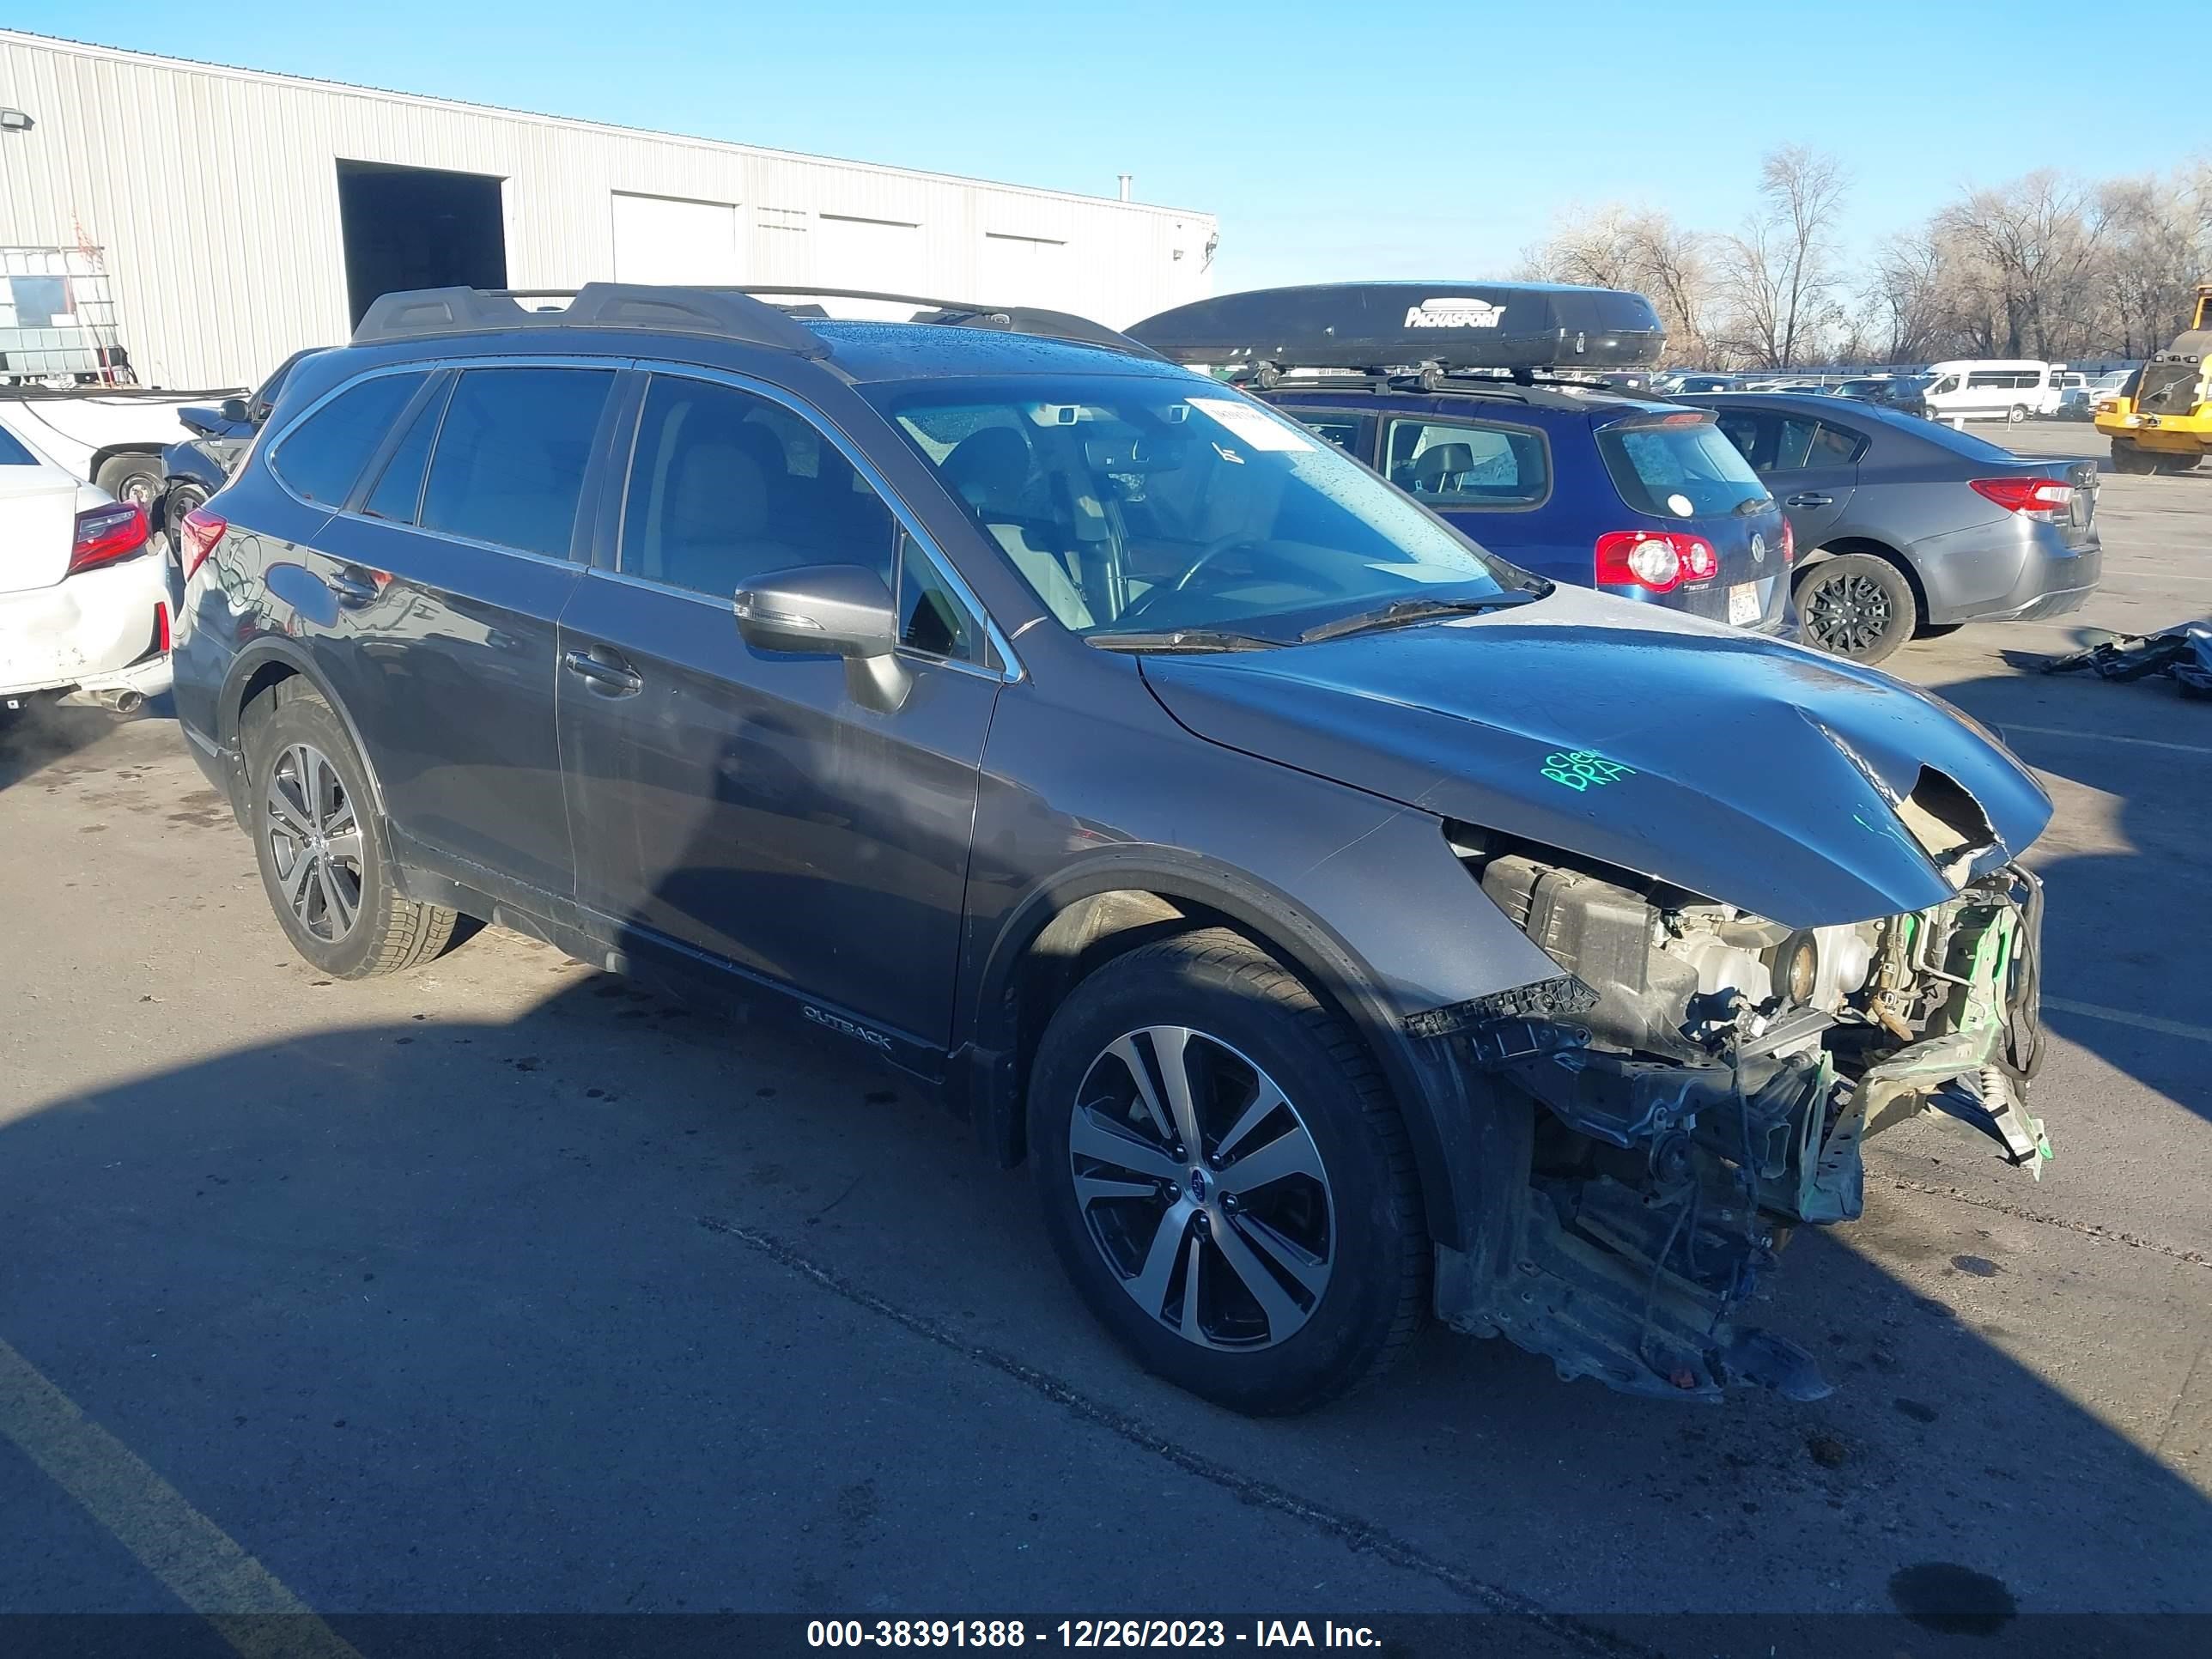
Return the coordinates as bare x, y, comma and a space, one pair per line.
505, 1285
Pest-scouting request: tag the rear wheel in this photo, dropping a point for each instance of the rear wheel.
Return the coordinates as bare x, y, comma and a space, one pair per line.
2016, 414
320, 863
2130, 457
2170, 462
135, 480
1226, 1177
1857, 605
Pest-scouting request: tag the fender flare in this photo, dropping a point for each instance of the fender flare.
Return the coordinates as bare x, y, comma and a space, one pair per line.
1432, 1097
102, 456
251, 661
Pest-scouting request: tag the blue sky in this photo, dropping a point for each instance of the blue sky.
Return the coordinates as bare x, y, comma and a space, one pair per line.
1334, 141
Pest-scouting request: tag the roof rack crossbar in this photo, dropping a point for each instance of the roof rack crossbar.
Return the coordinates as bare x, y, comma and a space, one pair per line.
428, 312
1014, 320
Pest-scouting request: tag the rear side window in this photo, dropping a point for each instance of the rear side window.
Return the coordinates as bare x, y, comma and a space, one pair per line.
511, 454
13, 454
1454, 465
1814, 443
399, 488
1678, 469
320, 457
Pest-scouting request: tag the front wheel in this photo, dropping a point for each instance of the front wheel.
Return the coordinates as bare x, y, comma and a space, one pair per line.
2176, 463
1226, 1177
1857, 605
321, 864
2016, 414
181, 499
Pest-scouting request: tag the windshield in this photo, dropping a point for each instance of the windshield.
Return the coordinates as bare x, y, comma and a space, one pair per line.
1679, 467
1138, 503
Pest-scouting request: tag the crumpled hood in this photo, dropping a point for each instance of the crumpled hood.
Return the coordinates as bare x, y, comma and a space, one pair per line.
1743, 769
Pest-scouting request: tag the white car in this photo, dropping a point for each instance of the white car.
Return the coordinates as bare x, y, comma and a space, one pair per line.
84, 597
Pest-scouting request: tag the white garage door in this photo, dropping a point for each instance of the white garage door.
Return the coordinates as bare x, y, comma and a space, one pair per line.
659, 239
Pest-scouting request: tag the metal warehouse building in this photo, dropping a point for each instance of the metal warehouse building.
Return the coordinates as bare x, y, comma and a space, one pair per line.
238, 216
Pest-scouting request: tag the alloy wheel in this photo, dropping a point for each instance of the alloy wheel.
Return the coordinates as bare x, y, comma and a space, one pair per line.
314, 839
1848, 614
1202, 1188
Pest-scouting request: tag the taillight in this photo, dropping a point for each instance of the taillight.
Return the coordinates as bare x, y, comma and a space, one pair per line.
106, 534
2042, 499
198, 532
1659, 560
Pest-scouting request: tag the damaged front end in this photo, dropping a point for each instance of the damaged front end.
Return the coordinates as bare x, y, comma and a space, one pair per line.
1702, 1080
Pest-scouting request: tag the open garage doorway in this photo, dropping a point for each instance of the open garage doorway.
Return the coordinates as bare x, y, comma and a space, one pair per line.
418, 228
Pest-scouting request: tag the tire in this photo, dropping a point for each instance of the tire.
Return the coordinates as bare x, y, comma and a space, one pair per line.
348, 922
2016, 414
1341, 1217
181, 499
133, 478
2175, 464
1858, 606
2130, 457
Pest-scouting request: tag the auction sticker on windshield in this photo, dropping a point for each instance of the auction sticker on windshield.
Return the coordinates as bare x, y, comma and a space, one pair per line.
1261, 431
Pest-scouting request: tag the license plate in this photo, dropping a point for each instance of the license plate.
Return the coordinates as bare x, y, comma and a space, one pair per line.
1743, 603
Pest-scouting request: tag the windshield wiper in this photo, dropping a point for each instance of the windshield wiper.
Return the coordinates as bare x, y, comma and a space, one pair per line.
1399, 613
1178, 639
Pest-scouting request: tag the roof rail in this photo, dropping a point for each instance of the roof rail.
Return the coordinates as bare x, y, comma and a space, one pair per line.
428, 313
1011, 320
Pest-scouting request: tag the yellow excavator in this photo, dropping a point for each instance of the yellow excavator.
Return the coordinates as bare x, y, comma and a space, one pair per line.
2161, 422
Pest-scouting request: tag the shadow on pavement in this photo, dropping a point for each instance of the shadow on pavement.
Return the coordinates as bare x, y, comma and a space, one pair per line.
615, 1308
44, 733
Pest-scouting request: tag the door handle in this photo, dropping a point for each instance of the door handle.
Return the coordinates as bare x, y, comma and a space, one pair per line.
1809, 499
350, 589
607, 676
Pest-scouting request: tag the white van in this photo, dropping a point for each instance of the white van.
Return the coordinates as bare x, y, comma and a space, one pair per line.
1993, 389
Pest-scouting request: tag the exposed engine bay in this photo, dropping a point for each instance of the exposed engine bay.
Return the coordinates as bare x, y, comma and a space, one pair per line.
1703, 1079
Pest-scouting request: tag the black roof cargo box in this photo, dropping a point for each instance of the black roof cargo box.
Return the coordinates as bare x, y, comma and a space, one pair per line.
1377, 325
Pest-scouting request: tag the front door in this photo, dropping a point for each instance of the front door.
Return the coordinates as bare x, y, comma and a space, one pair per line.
745, 807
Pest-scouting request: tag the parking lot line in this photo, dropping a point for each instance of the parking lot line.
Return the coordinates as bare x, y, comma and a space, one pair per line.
2104, 737
2180, 1027
200, 1564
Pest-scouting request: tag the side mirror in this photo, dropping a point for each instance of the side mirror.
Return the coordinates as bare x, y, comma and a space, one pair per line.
203, 423
234, 409
833, 609
829, 610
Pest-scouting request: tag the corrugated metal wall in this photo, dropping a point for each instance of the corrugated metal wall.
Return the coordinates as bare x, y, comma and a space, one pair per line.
215, 193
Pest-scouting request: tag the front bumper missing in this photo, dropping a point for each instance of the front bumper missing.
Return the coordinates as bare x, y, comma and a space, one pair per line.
1626, 1263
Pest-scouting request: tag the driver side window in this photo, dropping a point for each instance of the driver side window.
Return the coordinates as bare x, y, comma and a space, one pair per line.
725, 486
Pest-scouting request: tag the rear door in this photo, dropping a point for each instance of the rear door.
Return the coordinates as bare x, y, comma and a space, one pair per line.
1811, 464
443, 577
38, 519
745, 807
1488, 479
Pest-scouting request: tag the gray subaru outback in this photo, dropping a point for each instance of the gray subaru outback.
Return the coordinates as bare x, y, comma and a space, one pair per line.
1344, 926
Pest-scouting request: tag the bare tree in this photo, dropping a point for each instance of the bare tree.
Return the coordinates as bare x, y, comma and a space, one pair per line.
1637, 248
2036, 242
1777, 276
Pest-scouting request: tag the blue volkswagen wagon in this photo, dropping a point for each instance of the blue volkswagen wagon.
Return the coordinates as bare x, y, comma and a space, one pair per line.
1466, 397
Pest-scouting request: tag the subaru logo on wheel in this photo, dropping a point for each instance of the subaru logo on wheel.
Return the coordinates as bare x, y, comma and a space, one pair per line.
1198, 1186
1758, 549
